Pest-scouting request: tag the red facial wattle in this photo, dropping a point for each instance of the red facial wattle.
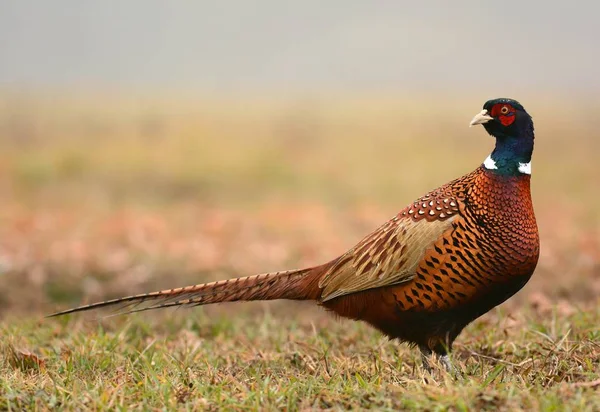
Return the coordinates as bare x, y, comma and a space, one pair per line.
503, 112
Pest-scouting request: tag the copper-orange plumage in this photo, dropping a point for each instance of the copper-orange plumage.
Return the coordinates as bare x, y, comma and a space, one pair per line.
441, 262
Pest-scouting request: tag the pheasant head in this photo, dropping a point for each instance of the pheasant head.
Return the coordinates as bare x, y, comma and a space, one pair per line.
508, 122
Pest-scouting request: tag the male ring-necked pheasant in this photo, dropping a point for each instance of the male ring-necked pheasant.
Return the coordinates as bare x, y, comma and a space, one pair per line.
443, 261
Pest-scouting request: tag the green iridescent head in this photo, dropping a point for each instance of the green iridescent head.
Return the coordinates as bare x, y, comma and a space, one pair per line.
508, 122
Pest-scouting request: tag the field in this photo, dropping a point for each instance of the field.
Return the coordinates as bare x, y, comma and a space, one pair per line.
106, 196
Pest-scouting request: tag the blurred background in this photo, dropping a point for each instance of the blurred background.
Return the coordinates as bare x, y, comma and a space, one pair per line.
148, 144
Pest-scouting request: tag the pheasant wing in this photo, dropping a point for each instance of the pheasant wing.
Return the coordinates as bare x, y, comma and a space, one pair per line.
388, 256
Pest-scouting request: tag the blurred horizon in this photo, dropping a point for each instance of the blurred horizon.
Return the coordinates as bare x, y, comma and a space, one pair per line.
236, 48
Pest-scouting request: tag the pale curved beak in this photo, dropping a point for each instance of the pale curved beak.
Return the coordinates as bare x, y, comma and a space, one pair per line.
480, 118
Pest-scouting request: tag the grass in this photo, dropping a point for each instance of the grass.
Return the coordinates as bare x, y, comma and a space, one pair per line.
263, 362
106, 197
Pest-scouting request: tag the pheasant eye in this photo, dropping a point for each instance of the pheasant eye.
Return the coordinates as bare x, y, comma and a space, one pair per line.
504, 110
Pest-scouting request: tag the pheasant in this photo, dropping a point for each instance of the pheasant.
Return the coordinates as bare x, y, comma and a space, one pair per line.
440, 263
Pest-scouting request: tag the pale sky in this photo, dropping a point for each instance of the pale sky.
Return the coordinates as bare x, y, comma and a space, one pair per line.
302, 46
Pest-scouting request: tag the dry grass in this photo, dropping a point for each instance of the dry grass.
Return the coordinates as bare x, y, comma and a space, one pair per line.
259, 360
110, 197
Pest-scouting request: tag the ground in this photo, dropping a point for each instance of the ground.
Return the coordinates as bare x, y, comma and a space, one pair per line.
111, 196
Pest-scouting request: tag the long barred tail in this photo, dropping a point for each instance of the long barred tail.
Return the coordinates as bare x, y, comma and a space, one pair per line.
290, 284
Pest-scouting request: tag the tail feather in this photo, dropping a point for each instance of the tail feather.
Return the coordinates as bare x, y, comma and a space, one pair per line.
291, 284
